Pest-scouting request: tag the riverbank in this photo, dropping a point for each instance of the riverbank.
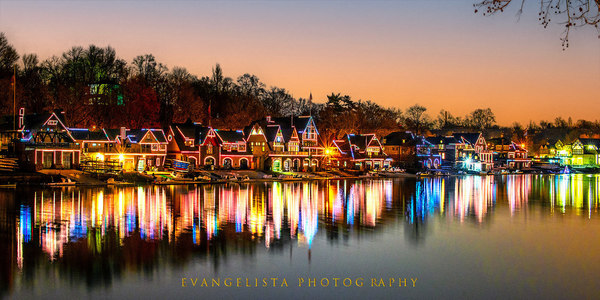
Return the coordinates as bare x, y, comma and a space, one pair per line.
61, 178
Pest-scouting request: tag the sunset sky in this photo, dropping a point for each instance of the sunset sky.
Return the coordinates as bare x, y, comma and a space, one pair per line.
396, 53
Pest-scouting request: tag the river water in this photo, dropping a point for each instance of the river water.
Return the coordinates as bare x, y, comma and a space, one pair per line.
472, 236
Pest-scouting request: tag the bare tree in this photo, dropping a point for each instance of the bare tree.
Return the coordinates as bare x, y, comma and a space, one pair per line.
571, 13
416, 118
482, 118
8, 56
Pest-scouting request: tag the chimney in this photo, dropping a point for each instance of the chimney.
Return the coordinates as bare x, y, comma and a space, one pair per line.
268, 118
123, 134
21, 118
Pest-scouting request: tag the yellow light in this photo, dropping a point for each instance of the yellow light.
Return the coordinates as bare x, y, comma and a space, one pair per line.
327, 151
99, 156
121, 157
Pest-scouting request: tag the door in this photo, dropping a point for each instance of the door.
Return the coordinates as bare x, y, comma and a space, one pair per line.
243, 164
66, 160
141, 165
48, 159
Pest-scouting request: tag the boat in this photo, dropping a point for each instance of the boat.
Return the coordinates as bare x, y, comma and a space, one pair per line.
473, 172
64, 182
424, 174
61, 183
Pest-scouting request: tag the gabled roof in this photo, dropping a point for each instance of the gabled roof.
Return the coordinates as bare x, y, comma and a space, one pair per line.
400, 138
422, 141
188, 131
499, 141
136, 135
299, 122
590, 142
515, 146
470, 137
160, 135
286, 124
343, 146
202, 133
84, 134
35, 122
347, 145
362, 141
231, 136
288, 134
32, 122
271, 132
446, 140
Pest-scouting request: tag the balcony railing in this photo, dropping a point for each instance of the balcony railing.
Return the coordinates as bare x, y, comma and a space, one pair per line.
298, 153
53, 146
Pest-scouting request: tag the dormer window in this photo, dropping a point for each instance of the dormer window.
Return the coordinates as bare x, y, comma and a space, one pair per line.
52, 122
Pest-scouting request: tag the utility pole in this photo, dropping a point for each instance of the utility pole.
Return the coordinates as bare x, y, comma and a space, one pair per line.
15, 97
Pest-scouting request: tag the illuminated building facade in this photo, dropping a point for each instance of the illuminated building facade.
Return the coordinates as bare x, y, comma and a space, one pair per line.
233, 152
359, 151
43, 141
136, 149
583, 152
472, 153
185, 141
462, 151
286, 144
401, 147
508, 154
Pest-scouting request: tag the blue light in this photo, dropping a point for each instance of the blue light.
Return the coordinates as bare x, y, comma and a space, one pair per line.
25, 223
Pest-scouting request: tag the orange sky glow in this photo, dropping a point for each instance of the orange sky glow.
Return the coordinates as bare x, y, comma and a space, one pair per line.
396, 53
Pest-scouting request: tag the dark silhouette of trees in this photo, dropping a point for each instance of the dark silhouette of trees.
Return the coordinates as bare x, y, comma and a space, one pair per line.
8, 59
416, 119
96, 87
277, 102
447, 121
482, 119
34, 93
8, 56
341, 115
141, 105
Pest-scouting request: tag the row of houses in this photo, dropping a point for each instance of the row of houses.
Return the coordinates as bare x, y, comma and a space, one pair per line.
43, 141
459, 151
278, 144
580, 153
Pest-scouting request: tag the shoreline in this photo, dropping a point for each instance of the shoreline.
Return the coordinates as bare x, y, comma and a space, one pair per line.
46, 179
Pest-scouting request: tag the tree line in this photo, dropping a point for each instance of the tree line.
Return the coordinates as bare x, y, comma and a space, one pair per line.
95, 87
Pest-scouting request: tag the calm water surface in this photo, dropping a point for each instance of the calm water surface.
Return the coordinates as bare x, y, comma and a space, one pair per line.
511, 236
